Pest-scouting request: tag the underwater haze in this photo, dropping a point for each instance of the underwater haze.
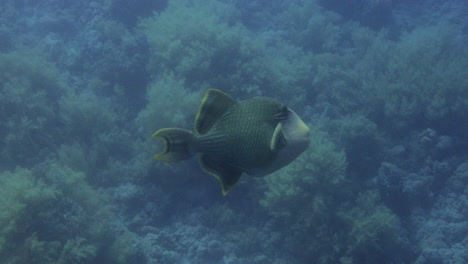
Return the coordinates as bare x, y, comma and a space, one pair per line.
382, 85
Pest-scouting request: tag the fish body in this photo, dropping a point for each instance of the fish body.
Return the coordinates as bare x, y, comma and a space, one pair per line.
256, 136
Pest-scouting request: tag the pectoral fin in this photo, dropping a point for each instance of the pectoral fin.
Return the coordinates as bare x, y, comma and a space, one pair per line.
278, 140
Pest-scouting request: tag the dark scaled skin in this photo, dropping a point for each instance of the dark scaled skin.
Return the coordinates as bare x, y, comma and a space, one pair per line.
241, 137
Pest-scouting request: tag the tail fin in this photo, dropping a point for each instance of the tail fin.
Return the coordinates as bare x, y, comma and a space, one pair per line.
177, 144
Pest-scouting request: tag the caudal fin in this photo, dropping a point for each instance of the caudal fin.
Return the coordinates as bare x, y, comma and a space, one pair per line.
177, 144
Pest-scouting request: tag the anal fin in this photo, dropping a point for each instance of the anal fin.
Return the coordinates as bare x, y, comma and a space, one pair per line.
225, 174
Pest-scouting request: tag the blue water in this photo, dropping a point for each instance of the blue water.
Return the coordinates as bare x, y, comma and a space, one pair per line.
382, 85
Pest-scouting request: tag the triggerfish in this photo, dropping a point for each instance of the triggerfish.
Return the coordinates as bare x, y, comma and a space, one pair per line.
256, 136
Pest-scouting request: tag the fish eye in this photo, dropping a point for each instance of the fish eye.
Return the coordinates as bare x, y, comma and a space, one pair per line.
286, 111
282, 113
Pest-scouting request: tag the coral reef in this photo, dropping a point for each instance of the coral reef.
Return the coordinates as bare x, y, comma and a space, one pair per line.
381, 84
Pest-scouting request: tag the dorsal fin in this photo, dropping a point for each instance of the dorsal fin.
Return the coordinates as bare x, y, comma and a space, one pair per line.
225, 174
214, 104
